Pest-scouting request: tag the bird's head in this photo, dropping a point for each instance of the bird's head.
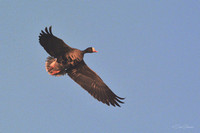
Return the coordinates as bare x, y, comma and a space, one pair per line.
90, 50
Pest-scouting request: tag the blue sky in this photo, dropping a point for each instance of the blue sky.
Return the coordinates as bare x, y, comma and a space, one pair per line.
148, 53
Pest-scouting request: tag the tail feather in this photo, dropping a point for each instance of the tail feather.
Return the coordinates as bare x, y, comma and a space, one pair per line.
53, 67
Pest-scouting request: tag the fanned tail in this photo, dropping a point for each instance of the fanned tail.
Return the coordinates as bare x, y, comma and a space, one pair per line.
53, 67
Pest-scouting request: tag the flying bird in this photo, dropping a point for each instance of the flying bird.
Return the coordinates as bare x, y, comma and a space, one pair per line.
64, 59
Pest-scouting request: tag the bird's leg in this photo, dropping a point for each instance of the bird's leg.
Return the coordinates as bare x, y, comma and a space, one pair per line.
52, 65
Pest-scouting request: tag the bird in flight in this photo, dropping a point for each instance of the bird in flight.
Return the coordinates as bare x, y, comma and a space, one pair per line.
64, 59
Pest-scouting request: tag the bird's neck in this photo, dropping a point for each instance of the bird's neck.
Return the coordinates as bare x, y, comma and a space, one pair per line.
85, 51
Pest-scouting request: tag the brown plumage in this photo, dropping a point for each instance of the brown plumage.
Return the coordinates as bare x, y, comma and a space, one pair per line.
64, 59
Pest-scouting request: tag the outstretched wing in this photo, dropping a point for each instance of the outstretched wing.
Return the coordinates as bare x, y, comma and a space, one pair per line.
92, 83
53, 45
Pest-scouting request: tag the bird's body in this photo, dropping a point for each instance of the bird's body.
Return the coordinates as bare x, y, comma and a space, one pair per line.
67, 60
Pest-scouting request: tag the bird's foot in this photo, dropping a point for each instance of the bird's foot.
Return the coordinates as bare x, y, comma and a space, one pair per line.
54, 72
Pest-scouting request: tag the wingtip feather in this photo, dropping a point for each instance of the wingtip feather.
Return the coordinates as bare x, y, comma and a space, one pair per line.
50, 30
46, 30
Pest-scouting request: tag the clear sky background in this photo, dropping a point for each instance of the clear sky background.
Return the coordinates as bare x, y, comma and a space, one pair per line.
149, 53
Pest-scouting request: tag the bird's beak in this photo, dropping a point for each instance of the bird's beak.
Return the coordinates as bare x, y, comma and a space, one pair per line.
95, 51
